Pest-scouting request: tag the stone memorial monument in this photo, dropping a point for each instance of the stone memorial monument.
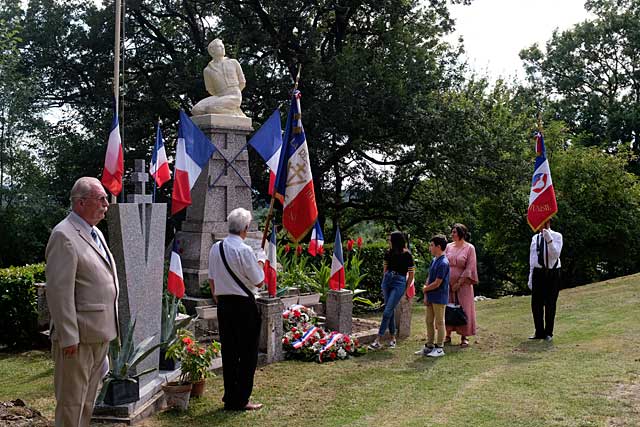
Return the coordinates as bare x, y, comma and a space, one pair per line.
136, 239
222, 186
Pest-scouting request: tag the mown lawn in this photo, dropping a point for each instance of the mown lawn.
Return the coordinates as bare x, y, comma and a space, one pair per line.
589, 375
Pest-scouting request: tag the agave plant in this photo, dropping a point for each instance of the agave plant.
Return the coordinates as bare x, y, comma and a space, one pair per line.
124, 359
169, 327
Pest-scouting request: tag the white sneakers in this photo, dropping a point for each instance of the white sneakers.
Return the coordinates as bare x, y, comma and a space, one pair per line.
430, 351
436, 352
424, 351
377, 346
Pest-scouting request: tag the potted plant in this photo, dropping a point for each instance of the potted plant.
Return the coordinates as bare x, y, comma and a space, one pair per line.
195, 360
169, 328
120, 386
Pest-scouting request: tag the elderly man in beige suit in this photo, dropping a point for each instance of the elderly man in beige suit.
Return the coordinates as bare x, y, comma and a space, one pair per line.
82, 293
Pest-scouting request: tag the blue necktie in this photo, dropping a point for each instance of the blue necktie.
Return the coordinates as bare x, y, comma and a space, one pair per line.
96, 239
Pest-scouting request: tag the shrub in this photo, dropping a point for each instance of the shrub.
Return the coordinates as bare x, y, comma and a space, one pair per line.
19, 304
372, 257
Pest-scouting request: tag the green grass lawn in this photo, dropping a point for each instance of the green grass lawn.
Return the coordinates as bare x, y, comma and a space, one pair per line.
588, 376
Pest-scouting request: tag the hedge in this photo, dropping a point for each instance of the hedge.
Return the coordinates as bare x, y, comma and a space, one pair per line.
19, 304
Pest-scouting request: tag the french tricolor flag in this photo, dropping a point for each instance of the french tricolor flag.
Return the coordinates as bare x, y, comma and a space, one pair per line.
317, 240
192, 154
175, 281
294, 182
336, 281
267, 141
113, 160
159, 169
270, 272
542, 198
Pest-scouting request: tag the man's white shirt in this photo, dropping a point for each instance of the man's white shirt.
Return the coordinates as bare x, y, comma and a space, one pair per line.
553, 241
241, 260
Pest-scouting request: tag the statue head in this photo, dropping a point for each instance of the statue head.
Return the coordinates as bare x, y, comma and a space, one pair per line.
216, 48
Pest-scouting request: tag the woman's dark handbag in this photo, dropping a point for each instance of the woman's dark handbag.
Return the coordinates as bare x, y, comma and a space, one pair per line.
454, 314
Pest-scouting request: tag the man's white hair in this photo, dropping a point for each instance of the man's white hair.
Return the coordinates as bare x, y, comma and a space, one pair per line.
239, 220
83, 187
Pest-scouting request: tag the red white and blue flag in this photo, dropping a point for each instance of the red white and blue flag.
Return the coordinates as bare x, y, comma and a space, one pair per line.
193, 152
336, 280
317, 240
294, 182
175, 281
113, 160
267, 141
159, 168
270, 272
542, 198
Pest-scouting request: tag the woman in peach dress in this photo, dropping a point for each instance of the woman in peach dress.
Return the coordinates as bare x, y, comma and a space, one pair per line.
463, 275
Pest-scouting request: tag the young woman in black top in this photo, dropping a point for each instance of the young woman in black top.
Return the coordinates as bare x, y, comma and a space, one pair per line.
398, 262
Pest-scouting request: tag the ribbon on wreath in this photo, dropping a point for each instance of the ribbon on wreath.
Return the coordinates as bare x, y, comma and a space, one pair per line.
306, 337
333, 338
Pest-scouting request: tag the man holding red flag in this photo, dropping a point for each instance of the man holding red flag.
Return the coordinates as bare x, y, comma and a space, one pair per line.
545, 248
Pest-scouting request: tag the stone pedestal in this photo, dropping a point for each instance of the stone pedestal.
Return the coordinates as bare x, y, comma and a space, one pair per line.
403, 318
136, 240
271, 331
220, 188
339, 313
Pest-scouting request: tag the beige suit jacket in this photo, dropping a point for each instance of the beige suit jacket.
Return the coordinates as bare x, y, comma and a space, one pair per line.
82, 286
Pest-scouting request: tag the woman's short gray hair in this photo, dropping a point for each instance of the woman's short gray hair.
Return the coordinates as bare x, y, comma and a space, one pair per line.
239, 220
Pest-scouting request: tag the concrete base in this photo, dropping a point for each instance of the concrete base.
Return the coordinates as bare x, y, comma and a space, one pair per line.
190, 303
271, 328
209, 122
403, 318
151, 401
339, 311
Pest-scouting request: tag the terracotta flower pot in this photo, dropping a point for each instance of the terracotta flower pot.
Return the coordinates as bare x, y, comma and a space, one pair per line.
177, 395
198, 388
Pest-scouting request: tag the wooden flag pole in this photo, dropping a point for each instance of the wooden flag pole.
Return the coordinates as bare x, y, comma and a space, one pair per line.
267, 222
116, 67
539, 122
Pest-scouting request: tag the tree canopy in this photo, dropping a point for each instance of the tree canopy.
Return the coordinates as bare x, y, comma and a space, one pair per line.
401, 132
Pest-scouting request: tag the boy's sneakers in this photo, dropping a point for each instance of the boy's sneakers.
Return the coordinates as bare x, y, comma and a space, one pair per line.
436, 352
392, 344
374, 346
424, 351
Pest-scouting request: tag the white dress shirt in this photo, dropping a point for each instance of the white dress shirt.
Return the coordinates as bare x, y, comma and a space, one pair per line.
553, 246
241, 260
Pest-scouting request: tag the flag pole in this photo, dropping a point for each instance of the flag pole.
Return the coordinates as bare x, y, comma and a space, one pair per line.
273, 196
116, 67
539, 122
155, 149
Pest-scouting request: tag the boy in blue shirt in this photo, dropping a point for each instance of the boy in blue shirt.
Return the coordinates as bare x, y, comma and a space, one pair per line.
436, 297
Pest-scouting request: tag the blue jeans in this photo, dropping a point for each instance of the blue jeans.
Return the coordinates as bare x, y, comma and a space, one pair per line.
393, 287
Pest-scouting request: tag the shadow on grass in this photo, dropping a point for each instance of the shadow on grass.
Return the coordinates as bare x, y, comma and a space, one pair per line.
534, 346
422, 363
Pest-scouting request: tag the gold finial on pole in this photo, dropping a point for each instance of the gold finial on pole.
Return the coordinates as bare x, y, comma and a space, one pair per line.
539, 122
295, 86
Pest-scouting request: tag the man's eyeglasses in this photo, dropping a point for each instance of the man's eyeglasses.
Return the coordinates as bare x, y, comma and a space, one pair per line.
100, 199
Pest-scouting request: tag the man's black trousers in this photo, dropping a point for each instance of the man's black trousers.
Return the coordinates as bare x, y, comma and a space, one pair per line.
544, 295
239, 325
